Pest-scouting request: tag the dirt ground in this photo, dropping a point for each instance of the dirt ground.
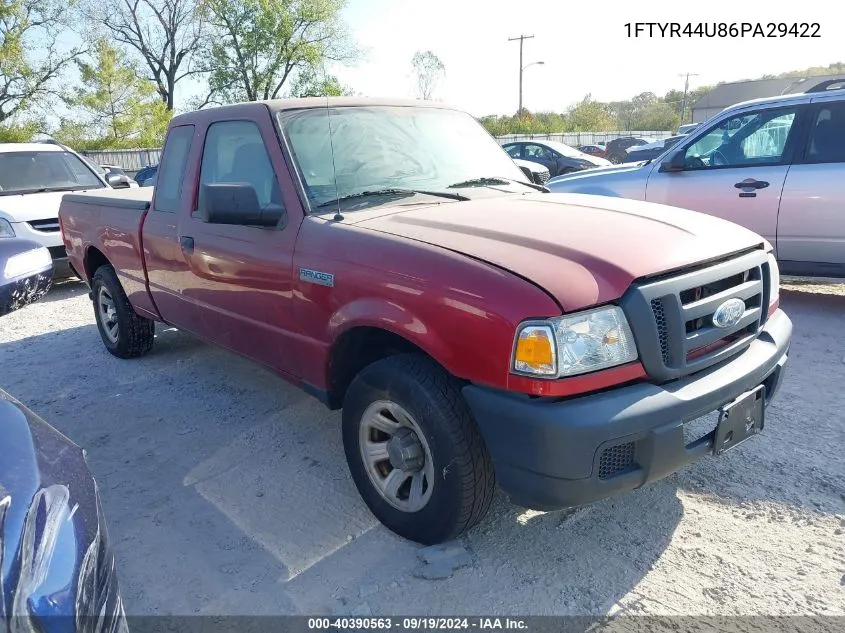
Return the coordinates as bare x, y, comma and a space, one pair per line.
226, 492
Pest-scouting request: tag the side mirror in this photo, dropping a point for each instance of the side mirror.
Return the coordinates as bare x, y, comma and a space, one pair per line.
236, 203
676, 162
118, 181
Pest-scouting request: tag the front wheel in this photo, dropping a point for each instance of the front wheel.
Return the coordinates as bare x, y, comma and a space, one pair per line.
414, 450
125, 333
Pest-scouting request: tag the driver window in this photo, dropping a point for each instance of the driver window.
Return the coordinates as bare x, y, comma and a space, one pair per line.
743, 141
535, 151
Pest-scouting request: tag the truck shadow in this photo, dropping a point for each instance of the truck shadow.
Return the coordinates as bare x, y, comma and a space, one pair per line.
226, 489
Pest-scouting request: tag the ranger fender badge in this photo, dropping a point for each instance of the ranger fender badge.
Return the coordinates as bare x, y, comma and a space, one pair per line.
316, 277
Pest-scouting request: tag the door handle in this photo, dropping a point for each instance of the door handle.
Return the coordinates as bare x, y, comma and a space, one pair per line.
187, 244
751, 183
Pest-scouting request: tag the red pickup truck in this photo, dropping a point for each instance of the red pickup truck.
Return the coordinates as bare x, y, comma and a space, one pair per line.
390, 259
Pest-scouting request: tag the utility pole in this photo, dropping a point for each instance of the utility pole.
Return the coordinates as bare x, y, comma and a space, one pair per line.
521, 39
686, 90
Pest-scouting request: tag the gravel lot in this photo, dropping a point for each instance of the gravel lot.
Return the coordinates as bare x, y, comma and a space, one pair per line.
226, 492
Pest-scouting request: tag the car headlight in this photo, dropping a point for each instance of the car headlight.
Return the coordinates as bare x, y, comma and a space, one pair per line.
774, 281
28, 263
574, 344
6, 229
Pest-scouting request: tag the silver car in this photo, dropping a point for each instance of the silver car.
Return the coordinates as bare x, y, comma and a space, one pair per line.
775, 166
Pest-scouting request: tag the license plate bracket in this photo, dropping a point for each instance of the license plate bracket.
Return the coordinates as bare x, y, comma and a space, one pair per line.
739, 420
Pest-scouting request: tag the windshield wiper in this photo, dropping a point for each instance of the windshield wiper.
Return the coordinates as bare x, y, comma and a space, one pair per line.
495, 180
394, 191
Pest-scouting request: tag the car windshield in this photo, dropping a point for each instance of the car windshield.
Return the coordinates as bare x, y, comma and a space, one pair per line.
31, 171
371, 149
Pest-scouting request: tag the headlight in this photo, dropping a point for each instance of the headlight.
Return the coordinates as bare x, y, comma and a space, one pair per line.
29, 263
574, 344
6, 229
774, 280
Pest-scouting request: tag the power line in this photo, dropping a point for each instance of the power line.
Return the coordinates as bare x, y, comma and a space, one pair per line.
686, 90
521, 39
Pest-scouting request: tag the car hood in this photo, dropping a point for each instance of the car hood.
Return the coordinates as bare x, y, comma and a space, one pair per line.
32, 206
610, 169
56, 566
583, 250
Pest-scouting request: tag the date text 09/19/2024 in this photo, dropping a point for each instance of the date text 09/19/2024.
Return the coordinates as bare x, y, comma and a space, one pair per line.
723, 29
416, 623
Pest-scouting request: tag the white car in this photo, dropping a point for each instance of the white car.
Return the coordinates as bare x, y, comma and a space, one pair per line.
33, 179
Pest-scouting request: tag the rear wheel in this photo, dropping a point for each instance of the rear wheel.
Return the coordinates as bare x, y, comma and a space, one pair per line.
125, 334
414, 450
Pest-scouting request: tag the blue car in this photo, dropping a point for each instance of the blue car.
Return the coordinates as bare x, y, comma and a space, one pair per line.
145, 174
57, 571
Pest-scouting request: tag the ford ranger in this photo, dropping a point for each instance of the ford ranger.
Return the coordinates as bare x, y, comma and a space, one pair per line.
389, 258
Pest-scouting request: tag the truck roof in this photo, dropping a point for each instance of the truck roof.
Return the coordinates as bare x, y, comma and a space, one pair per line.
277, 105
29, 147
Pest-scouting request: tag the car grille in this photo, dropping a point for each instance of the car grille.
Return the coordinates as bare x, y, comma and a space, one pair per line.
541, 177
616, 460
50, 225
672, 316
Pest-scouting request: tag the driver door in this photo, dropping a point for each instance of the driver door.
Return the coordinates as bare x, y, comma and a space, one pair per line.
541, 155
735, 169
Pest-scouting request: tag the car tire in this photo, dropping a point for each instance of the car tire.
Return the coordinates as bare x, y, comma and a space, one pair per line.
125, 333
422, 403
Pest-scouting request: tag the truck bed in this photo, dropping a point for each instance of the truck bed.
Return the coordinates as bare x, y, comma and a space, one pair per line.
108, 222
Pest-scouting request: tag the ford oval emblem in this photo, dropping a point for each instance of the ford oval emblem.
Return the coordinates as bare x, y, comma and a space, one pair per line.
729, 313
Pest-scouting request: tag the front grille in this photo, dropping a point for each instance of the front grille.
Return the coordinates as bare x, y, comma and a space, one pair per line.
672, 317
50, 225
662, 331
542, 177
616, 460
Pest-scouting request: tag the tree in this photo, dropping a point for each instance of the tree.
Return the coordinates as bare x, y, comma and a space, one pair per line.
32, 56
113, 107
255, 46
428, 70
657, 116
591, 116
311, 82
164, 33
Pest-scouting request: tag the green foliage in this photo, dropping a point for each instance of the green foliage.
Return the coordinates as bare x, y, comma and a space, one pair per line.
113, 107
837, 68
31, 55
256, 45
311, 82
22, 133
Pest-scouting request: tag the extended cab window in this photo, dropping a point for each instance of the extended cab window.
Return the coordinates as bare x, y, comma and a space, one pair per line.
171, 171
827, 136
744, 140
235, 152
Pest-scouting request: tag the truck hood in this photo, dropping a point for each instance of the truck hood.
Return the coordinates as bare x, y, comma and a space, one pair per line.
32, 206
583, 250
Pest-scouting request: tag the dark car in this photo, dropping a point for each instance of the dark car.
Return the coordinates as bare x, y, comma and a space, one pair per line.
596, 149
652, 150
616, 148
57, 572
26, 273
145, 174
535, 172
558, 158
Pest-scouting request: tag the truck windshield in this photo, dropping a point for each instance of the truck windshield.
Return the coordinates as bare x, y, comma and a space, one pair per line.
385, 147
34, 171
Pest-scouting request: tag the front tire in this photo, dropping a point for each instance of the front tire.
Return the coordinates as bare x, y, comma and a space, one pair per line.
414, 450
125, 333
